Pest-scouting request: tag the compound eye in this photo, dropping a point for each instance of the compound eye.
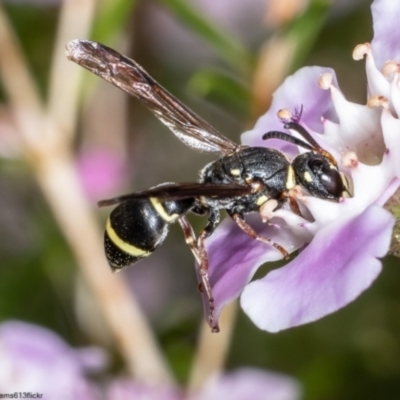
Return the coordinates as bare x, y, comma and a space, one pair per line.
333, 182
329, 177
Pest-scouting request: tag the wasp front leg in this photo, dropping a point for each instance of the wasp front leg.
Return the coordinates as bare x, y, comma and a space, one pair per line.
293, 195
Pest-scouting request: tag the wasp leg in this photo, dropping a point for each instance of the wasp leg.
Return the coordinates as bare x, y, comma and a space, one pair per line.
253, 234
190, 237
202, 259
213, 220
292, 195
294, 206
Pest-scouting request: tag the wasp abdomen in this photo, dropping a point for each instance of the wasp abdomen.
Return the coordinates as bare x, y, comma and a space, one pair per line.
137, 227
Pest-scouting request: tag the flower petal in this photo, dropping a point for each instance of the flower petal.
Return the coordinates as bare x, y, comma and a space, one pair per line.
37, 359
386, 42
339, 264
250, 383
299, 89
102, 172
234, 257
124, 389
391, 129
359, 127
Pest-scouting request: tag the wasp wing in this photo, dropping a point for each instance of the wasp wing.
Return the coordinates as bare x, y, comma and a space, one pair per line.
129, 76
178, 191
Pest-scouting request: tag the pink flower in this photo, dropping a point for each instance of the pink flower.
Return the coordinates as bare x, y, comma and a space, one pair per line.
340, 243
34, 359
242, 384
102, 173
250, 383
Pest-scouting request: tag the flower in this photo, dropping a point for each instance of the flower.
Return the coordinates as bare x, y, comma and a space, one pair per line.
35, 360
250, 383
101, 172
241, 384
340, 243
126, 389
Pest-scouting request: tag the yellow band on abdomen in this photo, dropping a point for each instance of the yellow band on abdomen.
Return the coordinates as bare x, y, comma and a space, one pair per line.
158, 206
124, 246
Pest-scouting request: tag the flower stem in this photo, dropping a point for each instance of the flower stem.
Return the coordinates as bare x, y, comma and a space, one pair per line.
212, 348
134, 336
48, 151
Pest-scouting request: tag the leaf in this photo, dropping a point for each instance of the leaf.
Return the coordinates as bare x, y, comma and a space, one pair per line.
111, 19
224, 45
222, 88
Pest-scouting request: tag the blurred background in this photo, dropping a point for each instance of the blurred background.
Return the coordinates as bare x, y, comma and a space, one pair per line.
223, 59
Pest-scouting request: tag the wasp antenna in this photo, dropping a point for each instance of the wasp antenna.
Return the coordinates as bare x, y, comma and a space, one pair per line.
306, 135
303, 132
287, 138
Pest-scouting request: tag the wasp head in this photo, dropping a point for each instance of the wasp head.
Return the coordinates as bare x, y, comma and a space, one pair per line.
316, 173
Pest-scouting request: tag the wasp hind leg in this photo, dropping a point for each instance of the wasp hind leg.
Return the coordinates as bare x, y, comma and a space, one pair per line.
213, 221
201, 256
254, 235
190, 237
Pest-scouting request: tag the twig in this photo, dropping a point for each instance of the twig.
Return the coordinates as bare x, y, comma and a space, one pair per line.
75, 22
134, 337
212, 348
54, 168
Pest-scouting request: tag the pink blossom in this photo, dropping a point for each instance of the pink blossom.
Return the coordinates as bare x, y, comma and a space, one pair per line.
340, 243
242, 384
35, 360
102, 173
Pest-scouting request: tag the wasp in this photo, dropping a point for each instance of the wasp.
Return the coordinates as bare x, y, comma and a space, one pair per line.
242, 180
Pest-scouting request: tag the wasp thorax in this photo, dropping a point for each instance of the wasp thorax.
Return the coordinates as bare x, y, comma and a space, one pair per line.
316, 173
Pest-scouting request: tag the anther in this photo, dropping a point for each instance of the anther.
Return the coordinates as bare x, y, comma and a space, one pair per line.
361, 50
285, 115
378, 101
350, 159
390, 67
325, 81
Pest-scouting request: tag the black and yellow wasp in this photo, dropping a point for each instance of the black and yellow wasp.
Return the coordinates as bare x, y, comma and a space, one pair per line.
241, 181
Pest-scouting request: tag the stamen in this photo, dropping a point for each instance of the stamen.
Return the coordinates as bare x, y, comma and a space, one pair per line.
377, 83
395, 92
378, 101
362, 50
350, 159
390, 67
325, 81
285, 115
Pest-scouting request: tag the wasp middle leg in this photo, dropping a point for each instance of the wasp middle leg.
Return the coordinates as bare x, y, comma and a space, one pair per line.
254, 235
